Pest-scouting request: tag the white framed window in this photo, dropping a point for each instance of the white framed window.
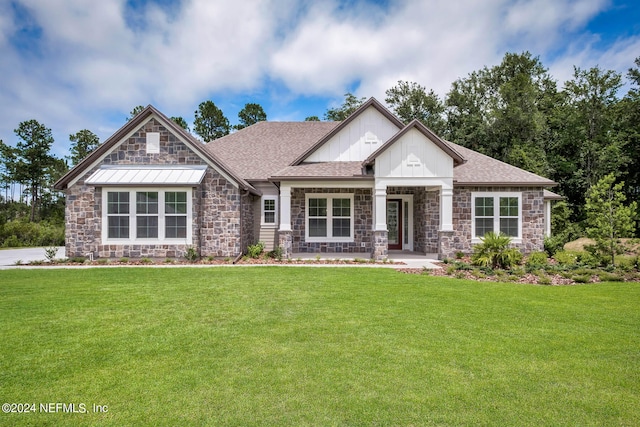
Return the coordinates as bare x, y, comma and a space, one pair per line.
497, 212
146, 215
269, 215
329, 217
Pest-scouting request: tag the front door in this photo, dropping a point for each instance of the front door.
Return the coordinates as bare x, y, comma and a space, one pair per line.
394, 223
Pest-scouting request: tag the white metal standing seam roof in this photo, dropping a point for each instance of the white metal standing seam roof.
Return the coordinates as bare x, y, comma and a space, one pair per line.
166, 175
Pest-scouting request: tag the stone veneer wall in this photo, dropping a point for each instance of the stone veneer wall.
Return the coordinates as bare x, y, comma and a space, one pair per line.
362, 217
532, 219
216, 205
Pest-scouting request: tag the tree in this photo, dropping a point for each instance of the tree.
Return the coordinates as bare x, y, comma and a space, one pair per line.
410, 101
181, 122
249, 115
593, 95
503, 111
312, 119
136, 110
351, 104
210, 123
83, 143
31, 161
608, 219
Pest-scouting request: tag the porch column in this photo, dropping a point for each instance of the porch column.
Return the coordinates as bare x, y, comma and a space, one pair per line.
446, 208
547, 218
380, 209
285, 237
380, 232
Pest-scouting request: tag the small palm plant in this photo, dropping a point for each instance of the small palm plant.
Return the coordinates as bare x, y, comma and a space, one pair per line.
494, 252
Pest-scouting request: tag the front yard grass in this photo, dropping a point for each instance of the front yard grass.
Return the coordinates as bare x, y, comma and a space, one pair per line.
315, 346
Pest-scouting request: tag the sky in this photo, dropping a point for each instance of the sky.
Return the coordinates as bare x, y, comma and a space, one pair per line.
78, 64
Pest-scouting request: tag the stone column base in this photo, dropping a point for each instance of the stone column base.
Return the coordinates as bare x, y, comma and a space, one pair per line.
380, 245
285, 241
446, 248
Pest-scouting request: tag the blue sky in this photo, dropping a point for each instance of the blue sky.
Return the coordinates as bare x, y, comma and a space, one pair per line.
75, 64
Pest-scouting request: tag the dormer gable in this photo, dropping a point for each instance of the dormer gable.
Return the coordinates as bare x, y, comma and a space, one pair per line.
355, 138
415, 151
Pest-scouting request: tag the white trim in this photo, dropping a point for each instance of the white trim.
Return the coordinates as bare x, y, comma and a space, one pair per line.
547, 218
329, 217
364, 183
132, 216
263, 223
496, 213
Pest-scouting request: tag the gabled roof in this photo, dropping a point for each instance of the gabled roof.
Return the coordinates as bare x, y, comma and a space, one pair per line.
372, 102
131, 125
416, 124
260, 150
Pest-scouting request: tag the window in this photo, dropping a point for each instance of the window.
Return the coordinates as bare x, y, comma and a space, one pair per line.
156, 216
329, 218
497, 212
118, 215
269, 210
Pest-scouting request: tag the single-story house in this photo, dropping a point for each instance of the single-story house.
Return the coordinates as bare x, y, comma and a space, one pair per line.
367, 185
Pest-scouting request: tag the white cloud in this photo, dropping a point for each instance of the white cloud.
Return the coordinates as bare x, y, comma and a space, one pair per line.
94, 61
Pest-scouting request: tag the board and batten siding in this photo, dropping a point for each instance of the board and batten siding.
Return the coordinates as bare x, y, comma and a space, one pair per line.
358, 140
414, 156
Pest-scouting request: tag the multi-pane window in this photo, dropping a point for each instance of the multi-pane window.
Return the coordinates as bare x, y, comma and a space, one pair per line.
329, 218
509, 216
497, 212
118, 214
318, 217
341, 218
484, 215
269, 211
141, 215
175, 211
147, 215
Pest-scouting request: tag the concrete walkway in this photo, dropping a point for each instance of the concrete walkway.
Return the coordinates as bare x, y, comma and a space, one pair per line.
25, 255
9, 258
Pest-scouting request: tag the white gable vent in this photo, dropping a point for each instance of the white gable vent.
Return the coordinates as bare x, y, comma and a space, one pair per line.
153, 142
370, 138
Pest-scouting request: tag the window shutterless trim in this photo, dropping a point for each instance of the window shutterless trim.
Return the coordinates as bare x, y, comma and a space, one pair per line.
163, 214
329, 217
496, 196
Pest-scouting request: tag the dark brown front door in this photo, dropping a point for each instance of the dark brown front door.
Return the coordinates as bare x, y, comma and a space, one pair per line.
394, 223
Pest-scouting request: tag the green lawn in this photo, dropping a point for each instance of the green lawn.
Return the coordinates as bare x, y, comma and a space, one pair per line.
315, 346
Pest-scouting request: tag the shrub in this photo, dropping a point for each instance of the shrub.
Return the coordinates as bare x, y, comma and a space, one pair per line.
494, 252
21, 233
78, 259
544, 280
537, 260
566, 258
146, 261
254, 251
553, 244
459, 255
50, 253
581, 278
589, 258
124, 260
276, 253
610, 277
191, 254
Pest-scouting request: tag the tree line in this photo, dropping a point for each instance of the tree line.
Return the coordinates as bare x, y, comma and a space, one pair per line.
513, 111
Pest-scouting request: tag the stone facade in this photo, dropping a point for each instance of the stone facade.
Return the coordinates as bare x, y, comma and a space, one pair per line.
532, 220
362, 217
217, 205
380, 245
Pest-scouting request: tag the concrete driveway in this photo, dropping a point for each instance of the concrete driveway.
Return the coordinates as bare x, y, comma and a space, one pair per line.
25, 255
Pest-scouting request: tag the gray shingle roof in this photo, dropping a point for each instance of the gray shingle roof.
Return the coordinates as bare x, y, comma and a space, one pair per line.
259, 151
484, 170
268, 150
327, 170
